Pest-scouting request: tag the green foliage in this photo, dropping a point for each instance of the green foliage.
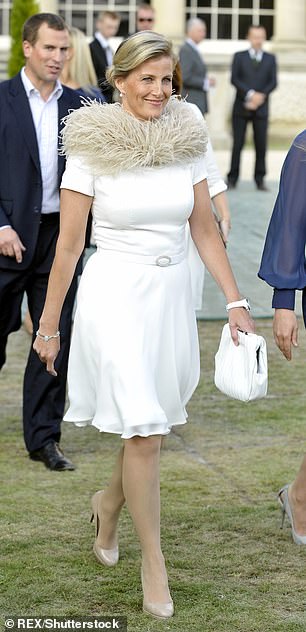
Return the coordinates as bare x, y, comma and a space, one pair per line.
21, 11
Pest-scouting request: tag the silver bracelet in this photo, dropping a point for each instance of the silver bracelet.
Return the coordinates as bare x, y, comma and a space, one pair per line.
47, 338
242, 303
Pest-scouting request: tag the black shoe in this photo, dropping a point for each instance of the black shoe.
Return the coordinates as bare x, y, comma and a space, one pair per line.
261, 186
52, 456
231, 184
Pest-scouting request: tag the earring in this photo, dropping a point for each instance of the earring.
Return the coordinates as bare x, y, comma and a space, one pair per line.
121, 94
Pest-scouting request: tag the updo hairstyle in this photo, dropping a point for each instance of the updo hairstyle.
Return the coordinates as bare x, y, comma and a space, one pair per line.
135, 50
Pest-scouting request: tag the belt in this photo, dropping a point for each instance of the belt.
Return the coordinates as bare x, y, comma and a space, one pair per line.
163, 261
49, 218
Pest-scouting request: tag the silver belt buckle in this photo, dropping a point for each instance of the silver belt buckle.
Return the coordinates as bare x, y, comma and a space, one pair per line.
163, 261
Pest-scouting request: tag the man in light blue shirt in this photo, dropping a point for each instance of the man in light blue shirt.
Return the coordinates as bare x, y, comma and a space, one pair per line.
32, 105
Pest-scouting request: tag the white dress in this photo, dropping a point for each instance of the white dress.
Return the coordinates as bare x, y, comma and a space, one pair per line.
134, 357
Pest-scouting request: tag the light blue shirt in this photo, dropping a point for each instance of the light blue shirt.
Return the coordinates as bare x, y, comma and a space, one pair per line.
45, 117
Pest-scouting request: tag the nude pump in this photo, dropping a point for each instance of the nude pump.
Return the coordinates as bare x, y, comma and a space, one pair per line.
283, 499
108, 557
157, 610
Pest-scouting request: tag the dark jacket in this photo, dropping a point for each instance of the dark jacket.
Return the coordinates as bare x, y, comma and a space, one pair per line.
193, 73
246, 75
20, 174
99, 61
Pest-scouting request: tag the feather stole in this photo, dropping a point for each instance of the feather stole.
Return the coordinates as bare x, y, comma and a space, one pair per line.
110, 140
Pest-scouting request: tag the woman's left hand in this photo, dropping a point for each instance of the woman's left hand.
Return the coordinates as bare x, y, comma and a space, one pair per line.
240, 319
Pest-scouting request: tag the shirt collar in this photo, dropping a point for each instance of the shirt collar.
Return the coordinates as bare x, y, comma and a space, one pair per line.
192, 43
30, 88
256, 54
103, 41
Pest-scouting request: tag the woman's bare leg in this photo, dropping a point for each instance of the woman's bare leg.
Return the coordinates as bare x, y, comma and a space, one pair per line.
141, 490
297, 498
110, 505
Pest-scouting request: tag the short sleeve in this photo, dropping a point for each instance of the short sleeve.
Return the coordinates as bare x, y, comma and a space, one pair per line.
78, 177
215, 182
199, 170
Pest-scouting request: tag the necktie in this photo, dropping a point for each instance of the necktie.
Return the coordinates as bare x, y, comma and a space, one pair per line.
109, 55
256, 59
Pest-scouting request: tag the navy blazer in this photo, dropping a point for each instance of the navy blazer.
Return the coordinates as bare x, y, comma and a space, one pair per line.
246, 75
20, 174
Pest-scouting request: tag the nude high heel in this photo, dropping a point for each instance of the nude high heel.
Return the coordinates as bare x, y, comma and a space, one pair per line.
108, 557
156, 610
283, 499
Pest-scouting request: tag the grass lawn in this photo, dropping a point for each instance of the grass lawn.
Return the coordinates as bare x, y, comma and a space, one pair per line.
230, 566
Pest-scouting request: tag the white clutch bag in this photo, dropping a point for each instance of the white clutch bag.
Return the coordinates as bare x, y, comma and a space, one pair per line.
242, 372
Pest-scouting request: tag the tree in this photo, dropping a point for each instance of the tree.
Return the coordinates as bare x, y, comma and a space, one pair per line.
21, 11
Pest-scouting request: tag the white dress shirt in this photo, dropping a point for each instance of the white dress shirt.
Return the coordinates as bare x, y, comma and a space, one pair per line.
45, 117
256, 54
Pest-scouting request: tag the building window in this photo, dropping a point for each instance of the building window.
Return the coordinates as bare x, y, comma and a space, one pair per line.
82, 13
5, 17
225, 19
230, 19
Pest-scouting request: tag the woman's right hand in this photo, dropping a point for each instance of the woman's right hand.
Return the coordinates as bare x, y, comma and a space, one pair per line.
285, 330
10, 244
240, 320
47, 352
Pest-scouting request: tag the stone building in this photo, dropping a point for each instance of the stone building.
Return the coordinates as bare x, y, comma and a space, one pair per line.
227, 22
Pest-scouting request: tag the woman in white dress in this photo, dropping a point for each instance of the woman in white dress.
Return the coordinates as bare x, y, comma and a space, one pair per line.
134, 360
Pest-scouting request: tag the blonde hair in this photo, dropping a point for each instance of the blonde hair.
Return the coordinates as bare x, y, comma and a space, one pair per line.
81, 68
113, 15
135, 50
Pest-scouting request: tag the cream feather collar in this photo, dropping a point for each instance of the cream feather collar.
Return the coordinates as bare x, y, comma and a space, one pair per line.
110, 140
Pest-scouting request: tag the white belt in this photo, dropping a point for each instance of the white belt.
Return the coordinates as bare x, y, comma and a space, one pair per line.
163, 261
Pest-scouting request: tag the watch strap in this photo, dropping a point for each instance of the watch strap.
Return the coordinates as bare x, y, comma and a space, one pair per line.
242, 303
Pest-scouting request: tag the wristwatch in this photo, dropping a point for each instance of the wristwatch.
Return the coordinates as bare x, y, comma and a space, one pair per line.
242, 303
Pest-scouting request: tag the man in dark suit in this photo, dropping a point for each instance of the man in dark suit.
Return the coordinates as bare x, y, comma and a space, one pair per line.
107, 24
32, 105
194, 72
254, 77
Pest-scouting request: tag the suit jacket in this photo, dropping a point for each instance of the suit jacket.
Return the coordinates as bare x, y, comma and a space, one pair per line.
193, 73
99, 61
20, 174
246, 75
